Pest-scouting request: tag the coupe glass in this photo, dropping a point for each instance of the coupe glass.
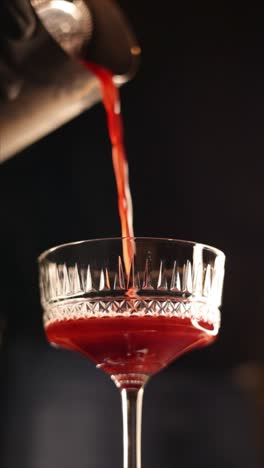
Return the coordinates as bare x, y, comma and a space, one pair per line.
131, 318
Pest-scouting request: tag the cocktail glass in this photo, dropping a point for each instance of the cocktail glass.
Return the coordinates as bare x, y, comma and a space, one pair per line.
131, 318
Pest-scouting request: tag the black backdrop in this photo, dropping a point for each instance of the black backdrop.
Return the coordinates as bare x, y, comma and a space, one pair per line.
193, 119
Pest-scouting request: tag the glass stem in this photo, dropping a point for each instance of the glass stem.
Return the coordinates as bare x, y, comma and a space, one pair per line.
132, 400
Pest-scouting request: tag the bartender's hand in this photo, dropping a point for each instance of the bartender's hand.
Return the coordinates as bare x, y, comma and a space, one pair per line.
17, 24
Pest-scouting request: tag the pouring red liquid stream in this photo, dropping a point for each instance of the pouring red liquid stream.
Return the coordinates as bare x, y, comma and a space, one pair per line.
112, 105
126, 345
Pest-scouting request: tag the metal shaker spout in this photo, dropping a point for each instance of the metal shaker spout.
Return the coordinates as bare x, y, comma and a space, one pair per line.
54, 87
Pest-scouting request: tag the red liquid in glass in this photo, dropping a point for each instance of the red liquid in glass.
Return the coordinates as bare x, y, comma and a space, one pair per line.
123, 345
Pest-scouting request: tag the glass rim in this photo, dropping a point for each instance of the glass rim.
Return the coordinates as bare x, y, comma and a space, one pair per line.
207, 247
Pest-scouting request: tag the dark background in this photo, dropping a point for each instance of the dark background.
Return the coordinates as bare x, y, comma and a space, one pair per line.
194, 134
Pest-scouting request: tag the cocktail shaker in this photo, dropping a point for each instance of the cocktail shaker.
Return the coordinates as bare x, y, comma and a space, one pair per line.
42, 81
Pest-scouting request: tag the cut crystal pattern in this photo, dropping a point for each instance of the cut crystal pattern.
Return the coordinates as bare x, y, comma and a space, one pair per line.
62, 281
86, 308
191, 290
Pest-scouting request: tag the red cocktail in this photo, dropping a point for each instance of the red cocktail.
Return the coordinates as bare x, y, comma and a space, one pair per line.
130, 345
131, 318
